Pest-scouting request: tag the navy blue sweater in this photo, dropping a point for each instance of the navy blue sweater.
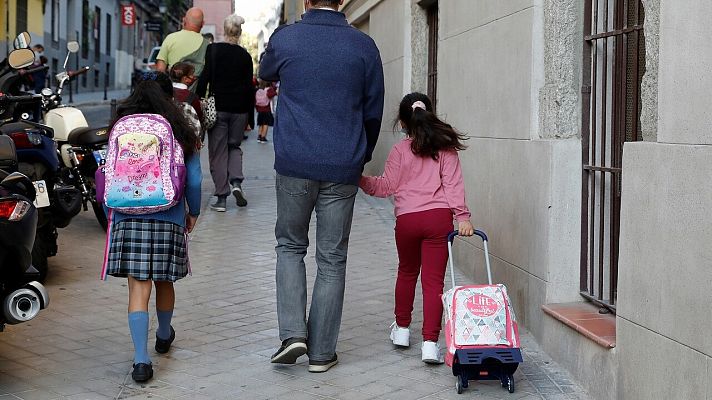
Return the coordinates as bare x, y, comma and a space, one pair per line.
330, 97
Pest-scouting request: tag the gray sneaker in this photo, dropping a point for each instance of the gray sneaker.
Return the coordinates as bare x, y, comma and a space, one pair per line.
220, 205
239, 195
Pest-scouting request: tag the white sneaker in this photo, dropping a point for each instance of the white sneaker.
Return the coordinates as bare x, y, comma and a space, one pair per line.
431, 352
400, 336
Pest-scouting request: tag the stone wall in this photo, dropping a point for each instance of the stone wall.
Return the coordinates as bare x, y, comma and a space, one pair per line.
665, 253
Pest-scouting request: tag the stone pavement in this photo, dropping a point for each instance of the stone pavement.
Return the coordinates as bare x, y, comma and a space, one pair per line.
226, 321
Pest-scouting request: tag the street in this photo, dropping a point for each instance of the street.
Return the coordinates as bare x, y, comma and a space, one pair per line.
226, 322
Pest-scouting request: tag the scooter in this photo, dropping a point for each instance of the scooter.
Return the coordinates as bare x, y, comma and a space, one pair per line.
81, 147
21, 295
38, 160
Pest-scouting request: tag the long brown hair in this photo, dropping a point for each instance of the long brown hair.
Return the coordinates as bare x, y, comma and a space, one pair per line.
153, 94
429, 133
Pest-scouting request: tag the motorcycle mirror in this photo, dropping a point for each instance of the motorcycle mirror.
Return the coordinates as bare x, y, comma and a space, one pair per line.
20, 184
21, 58
22, 41
73, 46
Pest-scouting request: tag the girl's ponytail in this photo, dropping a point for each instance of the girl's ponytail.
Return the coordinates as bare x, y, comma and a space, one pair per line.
429, 133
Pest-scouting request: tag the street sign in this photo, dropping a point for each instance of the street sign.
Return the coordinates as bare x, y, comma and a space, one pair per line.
128, 15
154, 25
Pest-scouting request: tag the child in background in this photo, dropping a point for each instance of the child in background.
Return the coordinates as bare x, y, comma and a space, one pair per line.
263, 105
423, 173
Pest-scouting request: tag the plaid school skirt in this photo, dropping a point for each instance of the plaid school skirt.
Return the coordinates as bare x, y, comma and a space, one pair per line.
148, 249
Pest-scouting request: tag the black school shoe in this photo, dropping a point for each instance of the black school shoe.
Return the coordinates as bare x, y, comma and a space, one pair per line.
323, 366
142, 372
290, 350
163, 345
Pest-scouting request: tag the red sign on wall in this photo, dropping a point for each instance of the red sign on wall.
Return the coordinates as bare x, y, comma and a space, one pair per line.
128, 15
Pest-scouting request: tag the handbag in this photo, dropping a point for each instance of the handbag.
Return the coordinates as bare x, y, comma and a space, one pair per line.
210, 113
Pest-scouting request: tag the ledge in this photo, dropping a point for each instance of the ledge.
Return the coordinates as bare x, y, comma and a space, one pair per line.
585, 319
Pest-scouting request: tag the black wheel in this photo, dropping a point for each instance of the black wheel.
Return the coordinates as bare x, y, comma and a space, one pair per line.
39, 257
100, 215
510, 383
458, 386
96, 206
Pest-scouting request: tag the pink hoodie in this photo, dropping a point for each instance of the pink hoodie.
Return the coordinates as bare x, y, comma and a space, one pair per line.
420, 183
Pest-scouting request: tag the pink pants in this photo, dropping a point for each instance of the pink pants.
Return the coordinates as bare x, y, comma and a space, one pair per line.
421, 239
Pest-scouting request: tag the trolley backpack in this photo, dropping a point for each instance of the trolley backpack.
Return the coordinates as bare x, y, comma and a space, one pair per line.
481, 332
145, 169
261, 98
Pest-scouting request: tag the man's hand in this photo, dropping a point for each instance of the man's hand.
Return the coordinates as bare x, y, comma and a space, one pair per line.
465, 228
161, 66
190, 221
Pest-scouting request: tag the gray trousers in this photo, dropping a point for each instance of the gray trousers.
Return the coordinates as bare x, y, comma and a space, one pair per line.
334, 205
224, 151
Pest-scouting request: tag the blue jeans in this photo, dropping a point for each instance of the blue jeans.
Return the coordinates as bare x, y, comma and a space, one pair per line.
334, 206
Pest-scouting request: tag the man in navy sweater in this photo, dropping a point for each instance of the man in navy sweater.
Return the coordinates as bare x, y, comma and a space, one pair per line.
327, 123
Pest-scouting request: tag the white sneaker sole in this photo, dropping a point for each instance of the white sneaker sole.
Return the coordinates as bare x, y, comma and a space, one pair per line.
218, 209
322, 368
290, 354
400, 342
432, 361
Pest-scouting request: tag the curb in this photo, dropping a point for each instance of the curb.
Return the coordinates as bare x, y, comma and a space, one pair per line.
91, 103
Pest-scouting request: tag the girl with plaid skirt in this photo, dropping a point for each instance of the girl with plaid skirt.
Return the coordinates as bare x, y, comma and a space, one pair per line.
151, 249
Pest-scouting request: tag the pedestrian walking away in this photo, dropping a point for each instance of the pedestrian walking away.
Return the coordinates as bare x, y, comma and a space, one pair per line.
149, 247
263, 106
186, 45
423, 174
228, 74
182, 75
326, 127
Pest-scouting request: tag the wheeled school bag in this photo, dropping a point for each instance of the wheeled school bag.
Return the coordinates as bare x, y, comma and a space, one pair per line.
145, 166
481, 332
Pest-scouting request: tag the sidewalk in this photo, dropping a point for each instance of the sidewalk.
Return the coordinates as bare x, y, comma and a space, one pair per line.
86, 98
226, 323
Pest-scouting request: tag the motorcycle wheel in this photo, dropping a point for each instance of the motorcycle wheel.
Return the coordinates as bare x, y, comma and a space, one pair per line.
100, 215
96, 206
39, 257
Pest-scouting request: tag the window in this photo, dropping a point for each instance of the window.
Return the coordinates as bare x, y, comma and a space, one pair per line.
613, 66
55, 22
97, 34
108, 34
21, 16
55, 69
433, 22
85, 33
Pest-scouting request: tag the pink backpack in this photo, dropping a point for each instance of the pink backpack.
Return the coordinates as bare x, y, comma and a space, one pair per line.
261, 98
145, 168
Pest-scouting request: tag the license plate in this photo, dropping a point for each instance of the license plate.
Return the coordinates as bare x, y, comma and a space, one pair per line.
42, 198
100, 157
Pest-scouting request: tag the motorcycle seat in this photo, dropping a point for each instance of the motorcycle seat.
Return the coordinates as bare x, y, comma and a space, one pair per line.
88, 136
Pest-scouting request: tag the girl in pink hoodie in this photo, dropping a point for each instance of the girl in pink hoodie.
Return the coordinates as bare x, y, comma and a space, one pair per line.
423, 174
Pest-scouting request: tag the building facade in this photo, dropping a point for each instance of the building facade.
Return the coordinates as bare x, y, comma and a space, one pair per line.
587, 166
20, 16
110, 48
215, 12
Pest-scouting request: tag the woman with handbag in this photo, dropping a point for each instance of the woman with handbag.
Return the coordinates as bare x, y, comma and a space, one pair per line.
227, 78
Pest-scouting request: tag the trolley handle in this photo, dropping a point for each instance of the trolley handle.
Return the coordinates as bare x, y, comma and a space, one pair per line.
451, 263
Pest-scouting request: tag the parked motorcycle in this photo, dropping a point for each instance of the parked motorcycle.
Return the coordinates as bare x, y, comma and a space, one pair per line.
21, 295
38, 160
82, 148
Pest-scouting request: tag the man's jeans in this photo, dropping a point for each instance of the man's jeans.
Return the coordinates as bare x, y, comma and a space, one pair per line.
334, 205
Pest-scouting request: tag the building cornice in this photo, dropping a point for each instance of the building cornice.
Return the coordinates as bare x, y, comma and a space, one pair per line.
356, 10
